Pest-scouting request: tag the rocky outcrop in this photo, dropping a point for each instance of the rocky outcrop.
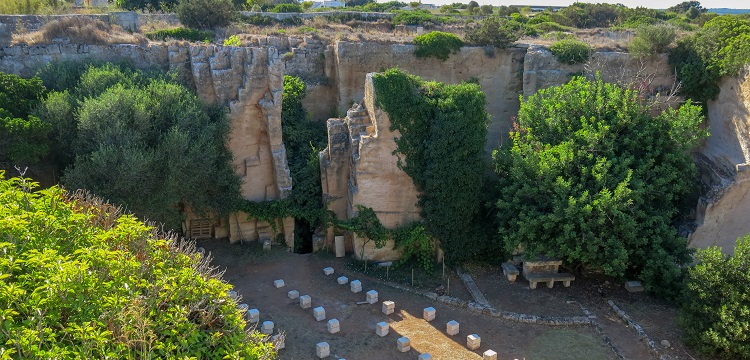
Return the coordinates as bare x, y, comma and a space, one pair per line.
358, 168
723, 213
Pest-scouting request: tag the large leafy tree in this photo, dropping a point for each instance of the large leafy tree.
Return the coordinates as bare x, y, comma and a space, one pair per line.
144, 142
592, 178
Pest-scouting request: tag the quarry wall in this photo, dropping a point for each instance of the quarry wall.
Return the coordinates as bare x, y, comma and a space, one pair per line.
358, 167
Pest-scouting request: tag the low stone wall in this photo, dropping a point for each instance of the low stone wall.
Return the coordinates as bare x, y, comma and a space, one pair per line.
372, 16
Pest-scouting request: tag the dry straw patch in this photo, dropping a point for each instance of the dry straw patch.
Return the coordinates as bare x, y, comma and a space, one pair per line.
79, 30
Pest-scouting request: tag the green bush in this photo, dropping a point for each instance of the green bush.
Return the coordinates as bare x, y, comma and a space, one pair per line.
287, 8
715, 315
550, 26
80, 281
652, 40
205, 14
415, 17
437, 44
232, 41
492, 32
181, 34
27, 7
577, 181
571, 51
23, 137
163, 5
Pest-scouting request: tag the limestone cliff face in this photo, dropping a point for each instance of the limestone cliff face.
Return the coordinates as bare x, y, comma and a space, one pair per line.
249, 81
724, 213
358, 168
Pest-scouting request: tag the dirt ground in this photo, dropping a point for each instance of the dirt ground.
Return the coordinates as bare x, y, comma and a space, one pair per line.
253, 271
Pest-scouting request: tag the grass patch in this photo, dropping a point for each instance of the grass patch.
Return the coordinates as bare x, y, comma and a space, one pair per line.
565, 344
181, 34
79, 30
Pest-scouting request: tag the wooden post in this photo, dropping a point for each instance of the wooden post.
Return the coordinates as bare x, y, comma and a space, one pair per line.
448, 292
387, 270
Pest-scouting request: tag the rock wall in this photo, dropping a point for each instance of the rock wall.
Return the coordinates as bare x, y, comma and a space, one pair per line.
723, 214
358, 168
247, 80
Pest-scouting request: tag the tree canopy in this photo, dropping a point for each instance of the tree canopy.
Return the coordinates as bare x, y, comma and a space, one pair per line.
592, 178
23, 137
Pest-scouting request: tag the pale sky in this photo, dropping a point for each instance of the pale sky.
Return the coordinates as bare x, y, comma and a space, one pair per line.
733, 4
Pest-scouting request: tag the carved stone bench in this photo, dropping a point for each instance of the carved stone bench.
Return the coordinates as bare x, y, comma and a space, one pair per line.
550, 279
510, 271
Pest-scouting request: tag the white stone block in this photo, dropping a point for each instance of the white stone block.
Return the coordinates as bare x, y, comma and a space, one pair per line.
322, 350
425, 356
389, 307
319, 313
267, 327
473, 342
489, 355
452, 327
293, 294
403, 344
372, 296
278, 283
328, 271
428, 313
253, 315
355, 286
305, 301
243, 307
381, 328
278, 341
333, 326
342, 280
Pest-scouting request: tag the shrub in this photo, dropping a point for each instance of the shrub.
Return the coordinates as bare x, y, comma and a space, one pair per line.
232, 41
714, 315
205, 14
437, 44
287, 8
491, 32
415, 17
79, 30
577, 181
571, 51
23, 137
550, 26
652, 40
33, 6
146, 4
181, 33
107, 286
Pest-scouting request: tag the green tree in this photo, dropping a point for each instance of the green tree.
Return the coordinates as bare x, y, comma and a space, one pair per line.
686, 6
487, 9
205, 14
592, 178
571, 51
23, 137
716, 303
652, 39
437, 44
492, 32
472, 7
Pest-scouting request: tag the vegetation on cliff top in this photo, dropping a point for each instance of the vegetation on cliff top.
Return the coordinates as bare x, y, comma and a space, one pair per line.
80, 280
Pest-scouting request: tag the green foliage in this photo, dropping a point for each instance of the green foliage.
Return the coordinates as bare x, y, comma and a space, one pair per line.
232, 41
652, 40
571, 51
151, 5
419, 17
415, 245
720, 48
28, 7
686, 6
287, 8
586, 15
205, 14
492, 32
594, 179
79, 281
437, 44
366, 224
181, 33
443, 130
23, 137
715, 315
144, 142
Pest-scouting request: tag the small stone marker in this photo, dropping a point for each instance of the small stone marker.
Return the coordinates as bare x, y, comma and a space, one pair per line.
328, 271
473, 342
278, 283
425, 356
452, 327
243, 307
253, 316
381, 328
333, 326
355, 286
428, 313
322, 350
372, 296
389, 307
267, 327
267, 244
633, 286
293, 294
278, 341
403, 344
319, 313
489, 355
666, 343
342, 280
305, 301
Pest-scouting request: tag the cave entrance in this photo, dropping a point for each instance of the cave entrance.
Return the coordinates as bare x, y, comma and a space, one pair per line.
303, 234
